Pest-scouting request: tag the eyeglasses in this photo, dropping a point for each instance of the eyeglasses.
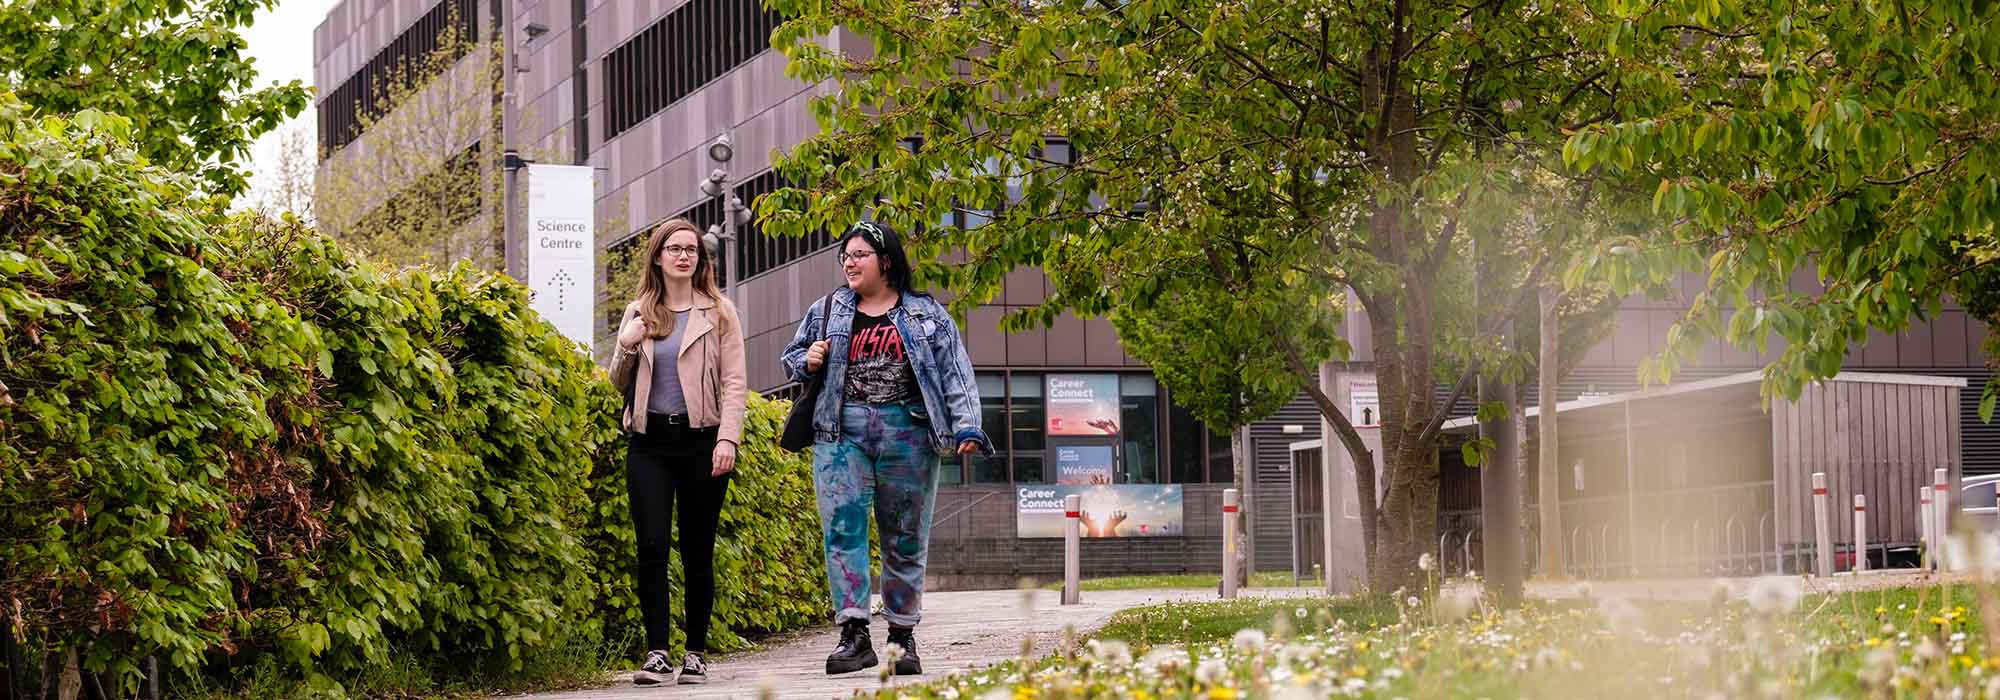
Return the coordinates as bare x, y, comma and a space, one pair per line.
685, 251
857, 255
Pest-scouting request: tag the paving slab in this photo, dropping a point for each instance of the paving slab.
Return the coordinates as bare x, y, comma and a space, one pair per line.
961, 631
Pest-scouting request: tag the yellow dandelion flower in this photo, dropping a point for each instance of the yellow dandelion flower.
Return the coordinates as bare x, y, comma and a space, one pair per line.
1024, 692
1222, 694
1872, 642
1966, 661
1361, 645
1879, 610
1358, 671
1939, 621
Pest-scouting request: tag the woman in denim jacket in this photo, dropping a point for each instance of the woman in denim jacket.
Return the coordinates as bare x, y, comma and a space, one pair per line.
899, 394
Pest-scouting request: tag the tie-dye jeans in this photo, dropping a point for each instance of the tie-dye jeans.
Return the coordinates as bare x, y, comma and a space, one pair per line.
884, 462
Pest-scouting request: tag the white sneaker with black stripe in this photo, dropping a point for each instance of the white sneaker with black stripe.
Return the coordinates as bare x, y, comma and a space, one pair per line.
694, 670
656, 670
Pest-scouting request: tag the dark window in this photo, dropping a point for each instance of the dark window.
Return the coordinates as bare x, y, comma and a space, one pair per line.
1027, 416
1059, 151
1221, 464
1139, 425
1195, 454
689, 48
757, 252
974, 217
618, 261
438, 200
1013, 413
363, 96
965, 217
1185, 454
763, 253
992, 417
1981, 496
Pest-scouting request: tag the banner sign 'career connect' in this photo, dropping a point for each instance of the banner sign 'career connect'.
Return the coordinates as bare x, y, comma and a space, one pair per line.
1125, 510
1083, 404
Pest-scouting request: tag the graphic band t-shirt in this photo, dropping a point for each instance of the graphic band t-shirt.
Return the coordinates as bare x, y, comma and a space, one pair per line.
878, 371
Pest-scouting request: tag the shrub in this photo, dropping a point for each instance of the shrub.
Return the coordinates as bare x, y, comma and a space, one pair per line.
226, 443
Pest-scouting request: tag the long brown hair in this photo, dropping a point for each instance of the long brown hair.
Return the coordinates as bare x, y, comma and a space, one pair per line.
652, 294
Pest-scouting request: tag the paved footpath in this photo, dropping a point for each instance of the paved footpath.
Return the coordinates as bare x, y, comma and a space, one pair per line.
962, 630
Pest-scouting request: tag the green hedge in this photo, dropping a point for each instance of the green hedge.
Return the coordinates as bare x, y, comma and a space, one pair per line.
225, 441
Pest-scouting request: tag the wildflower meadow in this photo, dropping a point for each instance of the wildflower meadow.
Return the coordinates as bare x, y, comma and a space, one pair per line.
1893, 635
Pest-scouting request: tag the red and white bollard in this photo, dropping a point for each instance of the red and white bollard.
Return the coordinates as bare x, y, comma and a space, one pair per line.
1823, 538
1072, 550
1941, 516
1924, 524
1230, 500
1860, 533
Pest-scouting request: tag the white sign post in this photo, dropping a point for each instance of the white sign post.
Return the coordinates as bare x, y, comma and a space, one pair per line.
562, 246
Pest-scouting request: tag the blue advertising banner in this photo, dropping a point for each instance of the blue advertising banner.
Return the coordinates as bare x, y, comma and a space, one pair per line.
1083, 465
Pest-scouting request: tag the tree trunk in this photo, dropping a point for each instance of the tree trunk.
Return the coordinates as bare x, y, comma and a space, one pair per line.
1404, 365
1499, 473
1548, 483
1500, 493
1239, 451
1370, 509
10, 665
70, 685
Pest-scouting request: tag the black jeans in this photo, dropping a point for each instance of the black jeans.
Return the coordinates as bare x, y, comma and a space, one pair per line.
664, 463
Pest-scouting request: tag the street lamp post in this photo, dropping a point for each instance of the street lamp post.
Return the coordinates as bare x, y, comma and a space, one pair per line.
512, 255
723, 238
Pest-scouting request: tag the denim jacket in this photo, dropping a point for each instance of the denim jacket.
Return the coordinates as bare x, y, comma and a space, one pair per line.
937, 357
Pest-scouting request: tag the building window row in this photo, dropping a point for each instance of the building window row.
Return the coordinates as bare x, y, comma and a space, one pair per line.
366, 95
683, 51
449, 196
1043, 434
966, 215
758, 253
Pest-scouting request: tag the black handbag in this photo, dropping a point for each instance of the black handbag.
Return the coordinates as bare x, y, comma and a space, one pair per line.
798, 433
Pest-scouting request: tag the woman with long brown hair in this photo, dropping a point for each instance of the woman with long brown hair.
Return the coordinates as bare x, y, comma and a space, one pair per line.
680, 364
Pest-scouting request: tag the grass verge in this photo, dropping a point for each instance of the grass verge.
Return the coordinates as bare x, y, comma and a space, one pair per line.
1261, 579
1205, 622
1913, 642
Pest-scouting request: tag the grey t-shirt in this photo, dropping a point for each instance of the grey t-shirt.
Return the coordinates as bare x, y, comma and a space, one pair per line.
666, 396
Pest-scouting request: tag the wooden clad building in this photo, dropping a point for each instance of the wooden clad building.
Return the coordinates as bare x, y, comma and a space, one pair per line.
1700, 479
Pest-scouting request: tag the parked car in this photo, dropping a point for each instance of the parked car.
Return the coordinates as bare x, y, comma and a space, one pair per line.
1977, 501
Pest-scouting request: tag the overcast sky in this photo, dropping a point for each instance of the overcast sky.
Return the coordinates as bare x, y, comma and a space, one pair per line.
281, 44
